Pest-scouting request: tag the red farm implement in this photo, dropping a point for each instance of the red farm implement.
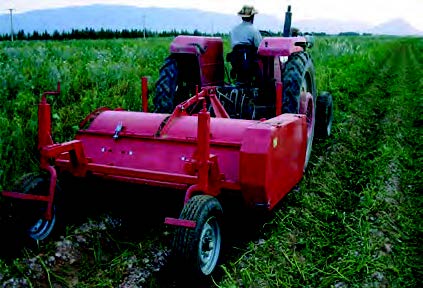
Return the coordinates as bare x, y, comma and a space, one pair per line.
253, 138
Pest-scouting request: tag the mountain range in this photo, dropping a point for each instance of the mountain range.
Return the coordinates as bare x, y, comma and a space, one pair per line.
118, 17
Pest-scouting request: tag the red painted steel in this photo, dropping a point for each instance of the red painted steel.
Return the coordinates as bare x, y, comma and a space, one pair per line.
144, 96
280, 46
175, 156
72, 150
49, 198
44, 119
203, 149
272, 158
209, 52
44, 140
44, 124
180, 222
23, 196
263, 159
202, 155
92, 116
51, 191
278, 103
173, 152
218, 108
307, 108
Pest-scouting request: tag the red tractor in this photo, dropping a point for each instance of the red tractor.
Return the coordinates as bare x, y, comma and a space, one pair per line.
252, 139
276, 78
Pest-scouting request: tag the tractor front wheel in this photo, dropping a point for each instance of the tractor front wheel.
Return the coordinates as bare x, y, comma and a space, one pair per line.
199, 248
324, 115
298, 82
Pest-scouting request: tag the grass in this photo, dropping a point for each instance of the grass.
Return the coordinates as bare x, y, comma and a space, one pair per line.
353, 221
92, 74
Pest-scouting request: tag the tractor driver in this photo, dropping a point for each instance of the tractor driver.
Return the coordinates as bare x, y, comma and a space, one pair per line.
245, 40
246, 33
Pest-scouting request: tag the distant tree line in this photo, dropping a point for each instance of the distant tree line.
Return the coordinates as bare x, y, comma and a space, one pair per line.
133, 33
100, 34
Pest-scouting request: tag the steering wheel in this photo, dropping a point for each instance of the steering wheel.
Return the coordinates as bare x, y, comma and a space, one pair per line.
265, 33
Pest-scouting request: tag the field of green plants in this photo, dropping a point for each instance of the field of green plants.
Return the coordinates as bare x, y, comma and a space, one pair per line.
353, 221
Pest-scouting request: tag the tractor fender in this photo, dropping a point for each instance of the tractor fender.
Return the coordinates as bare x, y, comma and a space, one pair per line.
200, 57
281, 46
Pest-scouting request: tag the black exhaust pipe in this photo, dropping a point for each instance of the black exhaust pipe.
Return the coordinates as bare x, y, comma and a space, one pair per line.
287, 24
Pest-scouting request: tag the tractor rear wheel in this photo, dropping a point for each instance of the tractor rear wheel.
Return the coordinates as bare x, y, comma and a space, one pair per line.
199, 248
298, 80
176, 83
30, 214
166, 87
324, 115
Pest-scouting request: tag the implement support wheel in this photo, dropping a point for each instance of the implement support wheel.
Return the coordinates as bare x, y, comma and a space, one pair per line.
30, 214
199, 248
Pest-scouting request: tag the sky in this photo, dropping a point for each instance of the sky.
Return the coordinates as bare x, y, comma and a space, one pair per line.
372, 12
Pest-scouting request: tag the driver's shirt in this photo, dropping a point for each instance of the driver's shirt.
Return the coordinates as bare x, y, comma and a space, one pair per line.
245, 33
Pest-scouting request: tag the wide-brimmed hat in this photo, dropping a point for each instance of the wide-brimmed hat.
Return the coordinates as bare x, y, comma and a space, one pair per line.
247, 11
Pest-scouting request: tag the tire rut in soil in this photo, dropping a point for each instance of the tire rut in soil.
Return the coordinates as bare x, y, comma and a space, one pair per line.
367, 123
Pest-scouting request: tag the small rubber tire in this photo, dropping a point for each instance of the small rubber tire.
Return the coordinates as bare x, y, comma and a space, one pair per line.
199, 248
30, 214
324, 115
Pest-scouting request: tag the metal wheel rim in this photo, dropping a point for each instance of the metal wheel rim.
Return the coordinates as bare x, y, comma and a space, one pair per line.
310, 129
209, 246
304, 86
310, 118
329, 120
42, 227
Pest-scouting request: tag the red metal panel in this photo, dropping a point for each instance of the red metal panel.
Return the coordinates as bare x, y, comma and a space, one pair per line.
278, 103
188, 44
44, 125
144, 95
280, 46
44, 119
272, 158
143, 124
277, 69
210, 56
19, 195
138, 148
180, 222
264, 159
211, 64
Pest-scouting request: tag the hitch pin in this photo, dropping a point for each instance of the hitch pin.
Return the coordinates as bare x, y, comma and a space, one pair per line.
118, 130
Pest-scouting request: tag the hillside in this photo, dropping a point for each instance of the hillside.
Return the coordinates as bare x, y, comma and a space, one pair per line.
395, 27
118, 17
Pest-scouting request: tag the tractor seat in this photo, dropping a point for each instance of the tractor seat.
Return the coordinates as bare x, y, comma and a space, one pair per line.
243, 59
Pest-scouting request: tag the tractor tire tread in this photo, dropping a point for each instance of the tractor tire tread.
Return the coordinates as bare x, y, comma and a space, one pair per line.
293, 74
185, 241
37, 184
166, 86
324, 115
